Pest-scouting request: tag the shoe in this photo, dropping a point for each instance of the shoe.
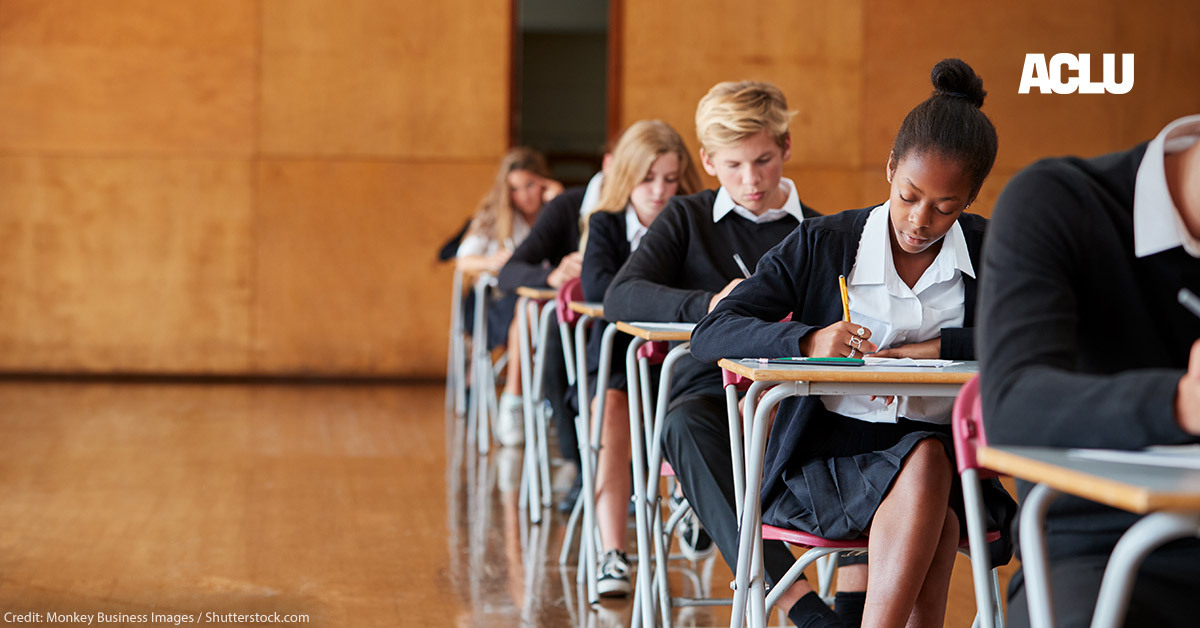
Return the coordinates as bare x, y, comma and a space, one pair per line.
694, 542
613, 580
510, 421
568, 501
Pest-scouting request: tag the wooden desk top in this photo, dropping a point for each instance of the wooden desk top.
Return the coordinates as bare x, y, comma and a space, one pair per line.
1132, 487
658, 331
587, 308
754, 371
537, 294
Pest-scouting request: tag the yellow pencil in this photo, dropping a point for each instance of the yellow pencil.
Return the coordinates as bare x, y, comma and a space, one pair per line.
845, 298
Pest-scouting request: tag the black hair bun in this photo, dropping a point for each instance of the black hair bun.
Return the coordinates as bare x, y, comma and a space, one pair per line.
953, 77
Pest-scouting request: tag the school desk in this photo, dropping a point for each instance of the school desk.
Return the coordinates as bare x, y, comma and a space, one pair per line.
1168, 497
536, 485
786, 380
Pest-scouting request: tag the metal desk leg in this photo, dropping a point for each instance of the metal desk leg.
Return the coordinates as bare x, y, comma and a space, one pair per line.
1139, 540
645, 574
1035, 560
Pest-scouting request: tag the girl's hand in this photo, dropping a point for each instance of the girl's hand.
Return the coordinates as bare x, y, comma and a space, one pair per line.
496, 260
839, 340
930, 349
550, 189
568, 269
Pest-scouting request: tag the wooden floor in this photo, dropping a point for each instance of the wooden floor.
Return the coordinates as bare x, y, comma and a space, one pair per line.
337, 505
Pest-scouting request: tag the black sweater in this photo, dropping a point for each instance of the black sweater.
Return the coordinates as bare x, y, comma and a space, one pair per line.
683, 260
607, 249
1082, 343
554, 236
800, 276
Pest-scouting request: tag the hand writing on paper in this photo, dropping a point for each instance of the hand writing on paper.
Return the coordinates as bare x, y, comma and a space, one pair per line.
839, 340
1187, 398
930, 349
712, 303
566, 270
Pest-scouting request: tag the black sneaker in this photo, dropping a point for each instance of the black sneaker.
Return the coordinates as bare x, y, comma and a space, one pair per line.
694, 542
613, 580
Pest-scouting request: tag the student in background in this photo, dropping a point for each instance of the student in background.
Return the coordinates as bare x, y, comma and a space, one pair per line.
1084, 344
649, 165
685, 265
503, 220
549, 258
843, 466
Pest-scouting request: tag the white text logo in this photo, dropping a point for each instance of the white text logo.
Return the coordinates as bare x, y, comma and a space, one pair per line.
1049, 77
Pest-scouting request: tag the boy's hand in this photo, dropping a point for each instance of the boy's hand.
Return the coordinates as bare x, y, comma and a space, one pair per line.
568, 269
712, 303
1187, 398
839, 340
551, 188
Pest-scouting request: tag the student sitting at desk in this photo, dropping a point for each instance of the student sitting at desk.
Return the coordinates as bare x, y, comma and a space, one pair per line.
549, 257
649, 165
842, 467
1084, 344
685, 264
503, 220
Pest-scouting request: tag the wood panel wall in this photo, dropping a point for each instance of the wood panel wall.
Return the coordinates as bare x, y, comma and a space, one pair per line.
240, 186
259, 186
853, 69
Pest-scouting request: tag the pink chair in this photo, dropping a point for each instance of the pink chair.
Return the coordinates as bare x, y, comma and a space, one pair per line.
967, 423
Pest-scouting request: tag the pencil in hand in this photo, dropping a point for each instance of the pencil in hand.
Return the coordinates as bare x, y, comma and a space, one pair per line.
742, 265
845, 298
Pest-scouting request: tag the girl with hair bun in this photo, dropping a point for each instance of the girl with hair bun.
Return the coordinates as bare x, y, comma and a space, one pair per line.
841, 466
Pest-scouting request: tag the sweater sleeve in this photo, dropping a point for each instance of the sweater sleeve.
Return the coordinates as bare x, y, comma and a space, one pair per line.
1034, 391
547, 243
603, 256
643, 288
747, 322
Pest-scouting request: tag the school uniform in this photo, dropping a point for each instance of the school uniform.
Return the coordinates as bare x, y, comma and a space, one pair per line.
612, 237
1083, 344
830, 461
685, 258
500, 307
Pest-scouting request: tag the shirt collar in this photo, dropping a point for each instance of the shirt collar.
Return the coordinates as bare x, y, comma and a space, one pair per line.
1157, 225
591, 194
791, 207
634, 230
874, 256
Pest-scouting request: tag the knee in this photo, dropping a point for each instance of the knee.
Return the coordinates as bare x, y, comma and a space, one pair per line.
930, 460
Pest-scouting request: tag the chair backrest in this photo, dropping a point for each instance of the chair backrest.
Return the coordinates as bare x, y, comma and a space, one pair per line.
967, 423
654, 351
572, 290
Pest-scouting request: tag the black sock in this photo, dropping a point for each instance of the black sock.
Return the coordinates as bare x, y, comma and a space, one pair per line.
810, 611
849, 607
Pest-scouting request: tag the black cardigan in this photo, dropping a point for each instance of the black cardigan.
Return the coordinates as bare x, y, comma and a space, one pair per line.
800, 276
554, 236
1082, 343
683, 260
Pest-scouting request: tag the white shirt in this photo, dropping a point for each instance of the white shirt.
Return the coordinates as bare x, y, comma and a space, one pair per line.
591, 194
634, 229
724, 204
1157, 225
479, 244
899, 315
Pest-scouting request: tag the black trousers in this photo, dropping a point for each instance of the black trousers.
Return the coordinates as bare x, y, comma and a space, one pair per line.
554, 387
696, 443
1164, 594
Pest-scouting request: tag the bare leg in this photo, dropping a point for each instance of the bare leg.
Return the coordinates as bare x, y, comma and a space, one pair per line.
908, 530
512, 378
613, 471
930, 609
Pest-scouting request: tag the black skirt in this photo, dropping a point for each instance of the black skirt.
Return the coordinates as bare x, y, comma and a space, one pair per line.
838, 475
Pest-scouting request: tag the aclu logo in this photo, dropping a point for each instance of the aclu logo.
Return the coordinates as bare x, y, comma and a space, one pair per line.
1049, 77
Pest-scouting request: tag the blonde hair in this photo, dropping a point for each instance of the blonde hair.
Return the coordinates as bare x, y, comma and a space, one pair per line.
494, 217
732, 111
635, 152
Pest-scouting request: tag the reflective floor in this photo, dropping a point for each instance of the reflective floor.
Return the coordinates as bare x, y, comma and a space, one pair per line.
332, 505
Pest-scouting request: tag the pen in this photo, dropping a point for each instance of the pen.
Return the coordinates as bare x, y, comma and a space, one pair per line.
742, 265
845, 298
1190, 300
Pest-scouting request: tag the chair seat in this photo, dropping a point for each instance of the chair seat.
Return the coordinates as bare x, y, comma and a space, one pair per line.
796, 537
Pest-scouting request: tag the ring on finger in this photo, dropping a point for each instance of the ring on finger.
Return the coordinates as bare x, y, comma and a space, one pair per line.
851, 353
855, 341
860, 331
